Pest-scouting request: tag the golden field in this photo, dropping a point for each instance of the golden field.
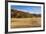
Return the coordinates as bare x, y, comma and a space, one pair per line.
25, 22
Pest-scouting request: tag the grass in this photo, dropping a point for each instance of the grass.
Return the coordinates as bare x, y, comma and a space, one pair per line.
25, 22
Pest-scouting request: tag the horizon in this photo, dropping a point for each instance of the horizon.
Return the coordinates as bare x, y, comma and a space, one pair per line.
29, 9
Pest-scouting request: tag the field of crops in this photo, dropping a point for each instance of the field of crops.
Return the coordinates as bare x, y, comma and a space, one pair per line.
25, 22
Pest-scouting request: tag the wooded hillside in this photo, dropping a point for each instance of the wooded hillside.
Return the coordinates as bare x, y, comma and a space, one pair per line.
21, 14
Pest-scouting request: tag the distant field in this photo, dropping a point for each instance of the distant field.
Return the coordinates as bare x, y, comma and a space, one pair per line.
25, 22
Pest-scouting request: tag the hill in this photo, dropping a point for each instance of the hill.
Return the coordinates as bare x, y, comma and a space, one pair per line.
21, 14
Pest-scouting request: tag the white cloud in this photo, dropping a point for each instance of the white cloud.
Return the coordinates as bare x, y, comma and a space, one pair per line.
28, 11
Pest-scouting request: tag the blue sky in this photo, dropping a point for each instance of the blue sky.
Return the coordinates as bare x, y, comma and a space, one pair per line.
30, 9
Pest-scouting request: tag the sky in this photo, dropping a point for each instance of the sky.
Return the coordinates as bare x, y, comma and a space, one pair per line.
30, 9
